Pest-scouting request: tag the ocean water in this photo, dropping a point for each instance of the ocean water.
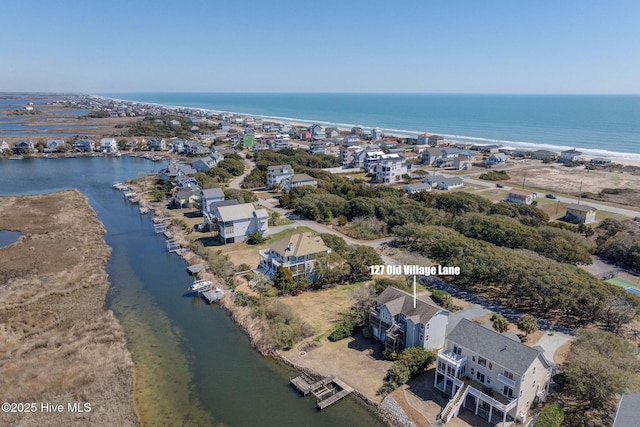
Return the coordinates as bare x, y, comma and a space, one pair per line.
599, 125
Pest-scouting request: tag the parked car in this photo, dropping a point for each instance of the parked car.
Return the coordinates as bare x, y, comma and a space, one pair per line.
551, 196
499, 185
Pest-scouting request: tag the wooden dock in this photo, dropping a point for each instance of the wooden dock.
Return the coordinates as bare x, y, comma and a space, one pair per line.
345, 391
213, 295
320, 388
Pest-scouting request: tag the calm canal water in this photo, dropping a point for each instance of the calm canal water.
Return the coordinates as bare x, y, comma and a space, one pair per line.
194, 366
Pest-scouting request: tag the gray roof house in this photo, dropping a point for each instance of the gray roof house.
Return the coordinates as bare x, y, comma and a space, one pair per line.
395, 321
277, 174
444, 183
236, 222
296, 252
416, 188
23, 147
483, 369
299, 180
205, 163
84, 145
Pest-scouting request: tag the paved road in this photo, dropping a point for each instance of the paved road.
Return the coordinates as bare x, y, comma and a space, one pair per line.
249, 166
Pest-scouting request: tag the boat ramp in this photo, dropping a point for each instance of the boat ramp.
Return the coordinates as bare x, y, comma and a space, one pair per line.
327, 390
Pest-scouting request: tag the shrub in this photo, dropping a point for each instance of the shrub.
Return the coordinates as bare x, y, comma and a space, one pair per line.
494, 176
550, 416
442, 298
255, 238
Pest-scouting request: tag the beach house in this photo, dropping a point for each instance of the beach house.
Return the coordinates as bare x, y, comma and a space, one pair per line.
416, 188
157, 144
580, 214
235, 222
497, 159
390, 168
209, 196
435, 140
444, 183
24, 147
277, 174
206, 163
280, 141
84, 145
296, 252
493, 375
4, 147
376, 133
520, 196
299, 180
399, 323
108, 145
569, 156
54, 145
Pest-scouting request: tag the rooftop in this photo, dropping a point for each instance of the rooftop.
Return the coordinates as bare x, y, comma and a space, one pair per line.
398, 301
581, 208
300, 244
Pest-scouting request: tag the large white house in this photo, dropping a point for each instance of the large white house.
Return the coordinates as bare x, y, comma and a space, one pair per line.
494, 375
296, 252
390, 168
236, 222
299, 180
108, 145
277, 174
395, 321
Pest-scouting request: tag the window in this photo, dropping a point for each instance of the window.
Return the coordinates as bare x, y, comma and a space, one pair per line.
534, 369
520, 393
428, 328
508, 374
507, 391
422, 326
480, 376
473, 358
421, 337
534, 383
473, 371
482, 361
490, 366
426, 338
457, 350
488, 380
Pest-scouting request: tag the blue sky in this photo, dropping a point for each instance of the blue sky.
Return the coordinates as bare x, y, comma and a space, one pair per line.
490, 46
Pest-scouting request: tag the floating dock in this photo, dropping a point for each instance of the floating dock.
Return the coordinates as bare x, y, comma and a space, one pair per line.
336, 388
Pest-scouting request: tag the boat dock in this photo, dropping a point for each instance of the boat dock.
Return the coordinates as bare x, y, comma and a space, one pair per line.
336, 388
213, 295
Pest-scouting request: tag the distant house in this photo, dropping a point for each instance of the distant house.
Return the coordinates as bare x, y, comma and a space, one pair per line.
600, 162
299, 180
390, 168
23, 147
431, 155
236, 222
332, 132
544, 155
520, 196
260, 147
108, 145
184, 197
319, 147
277, 174
357, 130
507, 375
580, 214
400, 323
296, 252
84, 145
463, 162
281, 141
497, 159
209, 196
157, 144
55, 145
442, 183
417, 188
205, 163
317, 131
4, 147
175, 170
194, 148
350, 139
423, 138
435, 140
569, 156
376, 133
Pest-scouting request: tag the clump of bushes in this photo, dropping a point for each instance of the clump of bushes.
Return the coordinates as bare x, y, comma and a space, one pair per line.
550, 416
494, 176
442, 298
410, 362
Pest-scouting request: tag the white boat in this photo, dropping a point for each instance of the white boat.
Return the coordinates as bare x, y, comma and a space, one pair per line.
201, 285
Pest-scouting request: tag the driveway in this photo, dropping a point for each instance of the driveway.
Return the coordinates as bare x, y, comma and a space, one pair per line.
551, 342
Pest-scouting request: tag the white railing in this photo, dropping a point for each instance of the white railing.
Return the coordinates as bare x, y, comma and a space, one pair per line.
452, 408
493, 402
507, 381
452, 357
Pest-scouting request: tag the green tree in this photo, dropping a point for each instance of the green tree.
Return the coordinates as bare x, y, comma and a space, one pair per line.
283, 280
442, 298
527, 324
550, 416
500, 324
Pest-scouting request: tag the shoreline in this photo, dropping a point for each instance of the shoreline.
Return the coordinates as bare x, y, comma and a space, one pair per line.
403, 133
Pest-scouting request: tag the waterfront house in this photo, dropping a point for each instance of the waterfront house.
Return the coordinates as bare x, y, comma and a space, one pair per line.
332, 132
54, 145
209, 196
194, 148
284, 128
175, 170
185, 181
296, 252
580, 214
108, 145
417, 188
84, 146
489, 373
390, 168
24, 147
208, 208
4, 147
399, 323
299, 180
184, 197
435, 140
376, 133
260, 147
277, 174
357, 130
350, 139
423, 138
157, 144
544, 155
569, 156
600, 162
234, 223
205, 163
520, 196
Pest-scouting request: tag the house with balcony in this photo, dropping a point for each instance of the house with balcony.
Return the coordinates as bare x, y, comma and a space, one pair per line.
491, 374
277, 174
399, 323
497, 159
234, 222
280, 141
209, 196
24, 147
390, 168
108, 145
84, 145
296, 252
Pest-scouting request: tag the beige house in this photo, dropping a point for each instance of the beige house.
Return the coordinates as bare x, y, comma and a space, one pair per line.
296, 252
580, 214
494, 375
520, 196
